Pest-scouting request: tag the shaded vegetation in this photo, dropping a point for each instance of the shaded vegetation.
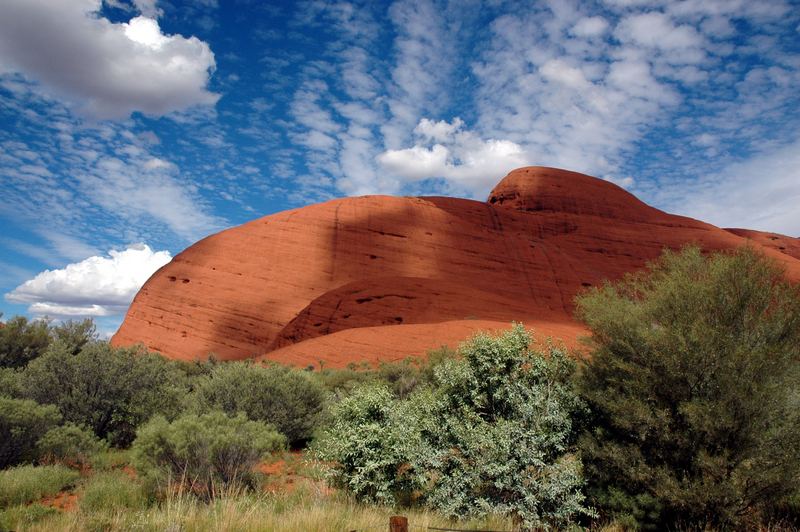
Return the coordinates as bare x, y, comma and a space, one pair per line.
109, 390
69, 444
694, 389
21, 340
22, 423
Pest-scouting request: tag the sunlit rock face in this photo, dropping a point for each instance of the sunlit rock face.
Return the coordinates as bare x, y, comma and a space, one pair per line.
381, 278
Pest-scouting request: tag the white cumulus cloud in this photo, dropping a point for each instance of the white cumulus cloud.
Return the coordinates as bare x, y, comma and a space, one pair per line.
109, 70
96, 286
458, 155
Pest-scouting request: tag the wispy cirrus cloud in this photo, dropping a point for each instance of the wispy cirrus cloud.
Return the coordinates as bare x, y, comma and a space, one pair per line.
651, 94
78, 187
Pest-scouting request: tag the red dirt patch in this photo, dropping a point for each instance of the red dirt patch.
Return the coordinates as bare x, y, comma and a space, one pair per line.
66, 501
286, 474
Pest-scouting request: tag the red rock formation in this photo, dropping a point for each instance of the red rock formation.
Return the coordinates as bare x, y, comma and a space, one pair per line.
380, 277
785, 244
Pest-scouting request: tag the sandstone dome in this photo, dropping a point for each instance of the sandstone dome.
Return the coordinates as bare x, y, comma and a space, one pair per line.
541, 189
381, 278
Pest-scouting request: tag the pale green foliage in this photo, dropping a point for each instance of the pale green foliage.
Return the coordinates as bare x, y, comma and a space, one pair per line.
371, 443
693, 387
494, 434
203, 454
287, 398
69, 444
23, 484
22, 423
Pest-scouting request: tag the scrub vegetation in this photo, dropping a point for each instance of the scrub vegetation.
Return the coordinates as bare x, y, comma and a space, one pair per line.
682, 413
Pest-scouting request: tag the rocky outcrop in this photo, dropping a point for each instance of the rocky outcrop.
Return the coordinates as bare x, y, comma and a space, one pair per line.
380, 277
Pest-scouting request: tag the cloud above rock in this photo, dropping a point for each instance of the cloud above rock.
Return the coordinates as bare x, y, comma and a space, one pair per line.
446, 149
96, 286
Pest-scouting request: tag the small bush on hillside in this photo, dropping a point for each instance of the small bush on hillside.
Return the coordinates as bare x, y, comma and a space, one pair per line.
289, 399
694, 389
22, 423
24, 484
69, 444
403, 377
109, 390
206, 454
493, 434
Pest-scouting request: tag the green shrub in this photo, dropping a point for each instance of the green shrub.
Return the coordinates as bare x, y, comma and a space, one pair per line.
22, 341
9, 382
24, 484
205, 454
111, 391
112, 490
22, 423
110, 459
74, 335
693, 388
342, 381
70, 444
368, 441
289, 399
403, 377
493, 434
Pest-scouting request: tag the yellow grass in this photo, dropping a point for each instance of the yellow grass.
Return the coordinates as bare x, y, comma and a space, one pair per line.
303, 510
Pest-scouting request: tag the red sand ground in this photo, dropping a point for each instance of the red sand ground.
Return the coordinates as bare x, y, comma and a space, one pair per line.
381, 278
65, 500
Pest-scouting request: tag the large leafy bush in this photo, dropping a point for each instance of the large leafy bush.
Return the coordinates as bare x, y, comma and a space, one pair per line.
204, 454
693, 387
109, 390
494, 434
22, 423
289, 399
22, 340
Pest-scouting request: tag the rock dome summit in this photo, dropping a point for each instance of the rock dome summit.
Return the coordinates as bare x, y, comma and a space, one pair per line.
381, 278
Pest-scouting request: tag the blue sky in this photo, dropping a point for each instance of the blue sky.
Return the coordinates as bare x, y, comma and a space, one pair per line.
131, 129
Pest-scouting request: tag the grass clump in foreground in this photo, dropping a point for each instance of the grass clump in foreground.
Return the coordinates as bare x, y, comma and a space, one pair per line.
305, 509
24, 484
21, 486
113, 491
